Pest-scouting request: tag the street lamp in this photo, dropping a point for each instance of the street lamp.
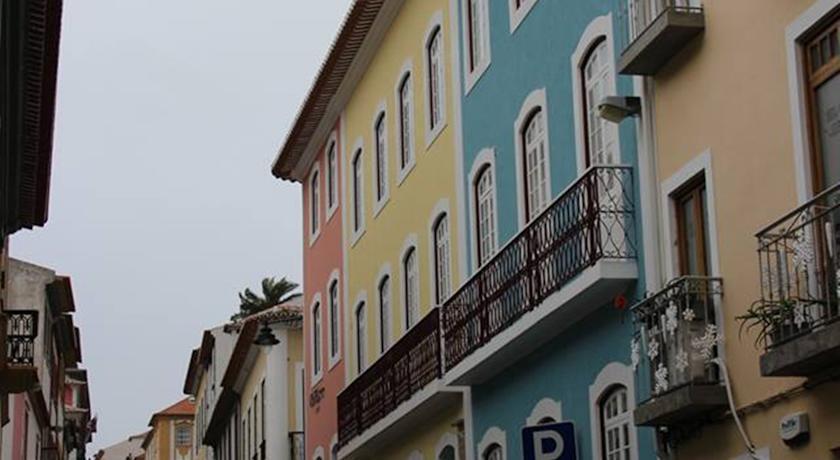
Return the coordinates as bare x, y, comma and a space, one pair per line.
266, 336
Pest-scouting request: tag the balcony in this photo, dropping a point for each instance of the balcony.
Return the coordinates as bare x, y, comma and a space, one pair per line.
676, 340
797, 315
656, 31
296, 446
398, 391
570, 260
21, 329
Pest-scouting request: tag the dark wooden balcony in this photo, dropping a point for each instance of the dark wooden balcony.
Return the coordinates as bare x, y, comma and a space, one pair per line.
656, 31
296, 446
390, 384
798, 315
21, 330
573, 258
676, 340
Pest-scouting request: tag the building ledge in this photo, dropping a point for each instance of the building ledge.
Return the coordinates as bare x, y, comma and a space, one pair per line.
592, 289
661, 40
681, 405
804, 356
402, 422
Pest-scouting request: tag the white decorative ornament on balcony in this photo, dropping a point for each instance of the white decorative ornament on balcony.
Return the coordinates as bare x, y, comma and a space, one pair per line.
661, 379
688, 315
803, 250
682, 361
799, 314
635, 358
706, 343
671, 318
653, 348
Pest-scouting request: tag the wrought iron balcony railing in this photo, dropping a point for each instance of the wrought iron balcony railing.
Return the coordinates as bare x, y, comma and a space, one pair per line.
676, 331
296, 440
654, 31
21, 332
800, 271
592, 220
407, 367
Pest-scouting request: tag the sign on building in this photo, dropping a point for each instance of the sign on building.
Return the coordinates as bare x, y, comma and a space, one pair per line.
552, 441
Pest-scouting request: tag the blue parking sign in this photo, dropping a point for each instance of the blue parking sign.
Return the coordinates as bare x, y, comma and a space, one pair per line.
552, 441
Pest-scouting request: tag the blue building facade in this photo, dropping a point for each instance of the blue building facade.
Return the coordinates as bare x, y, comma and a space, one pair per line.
532, 74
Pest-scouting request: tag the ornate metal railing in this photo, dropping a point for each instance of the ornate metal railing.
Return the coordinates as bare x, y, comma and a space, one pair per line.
21, 331
296, 440
592, 220
406, 368
800, 269
677, 334
638, 15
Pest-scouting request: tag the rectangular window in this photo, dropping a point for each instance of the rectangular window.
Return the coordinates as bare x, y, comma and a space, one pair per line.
405, 122
357, 191
412, 288
334, 319
435, 50
822, 54
332, 176
692, 229
316, 338
442, 276
381, 167
314, 202
360, 337
475, 32
485, 204
385, 314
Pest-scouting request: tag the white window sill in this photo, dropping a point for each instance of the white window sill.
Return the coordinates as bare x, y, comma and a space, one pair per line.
334, 360
433, 134
473, 77
519, 15
331, 211
380, 205
314, 236
403, 173
357, 235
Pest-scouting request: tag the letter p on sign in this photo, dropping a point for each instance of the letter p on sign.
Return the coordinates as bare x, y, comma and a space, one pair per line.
554, 441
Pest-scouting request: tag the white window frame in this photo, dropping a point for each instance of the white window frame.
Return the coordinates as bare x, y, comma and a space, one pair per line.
407, 71
545, 408
599, 28
409, 244
360, 342
318, 453
493, 435
486, 158
535, 101
441, 209
334, 358
314, 203
332, 176
379, 202
447, 440
517, 15
798, 87
317, 374
612, 374
385, 272
433, 131
358, 205
473, 75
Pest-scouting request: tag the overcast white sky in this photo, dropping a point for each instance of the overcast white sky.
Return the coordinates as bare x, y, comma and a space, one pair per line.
162, 205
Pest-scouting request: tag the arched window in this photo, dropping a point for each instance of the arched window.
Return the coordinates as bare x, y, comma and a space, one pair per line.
536, 166
448, 453
597, 72
316, 338
493, 452
360, 337
441, 252
476, 30
485, 214
357, 191
381, 158
385, 313
411, 285
616, 421
332, 176
333, 299
314, 201
406, 142
434, 54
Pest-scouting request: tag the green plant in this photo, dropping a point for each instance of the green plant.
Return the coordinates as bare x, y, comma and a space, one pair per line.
766, 317
274, 292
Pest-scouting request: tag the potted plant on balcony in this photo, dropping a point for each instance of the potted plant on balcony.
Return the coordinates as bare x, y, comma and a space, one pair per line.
770, 319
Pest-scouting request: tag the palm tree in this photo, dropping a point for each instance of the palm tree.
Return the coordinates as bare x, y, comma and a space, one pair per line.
274, 292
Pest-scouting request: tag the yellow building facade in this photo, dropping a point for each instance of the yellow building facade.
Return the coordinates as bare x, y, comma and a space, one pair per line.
402, 242
171, 434
734, 131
